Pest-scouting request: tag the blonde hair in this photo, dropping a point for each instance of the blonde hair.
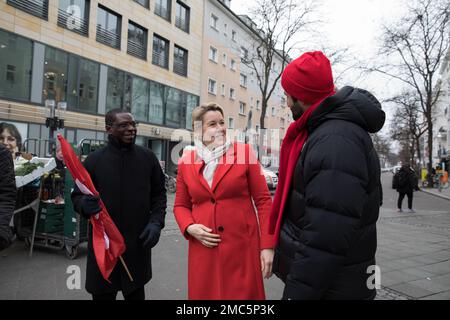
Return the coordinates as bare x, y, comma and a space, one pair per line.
199, 112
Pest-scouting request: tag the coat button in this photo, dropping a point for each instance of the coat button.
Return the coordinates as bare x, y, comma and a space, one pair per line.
220, 228
213, 200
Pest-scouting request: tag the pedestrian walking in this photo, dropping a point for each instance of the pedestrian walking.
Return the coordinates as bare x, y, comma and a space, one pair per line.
131, 184
219, 185
329, 191
405, 181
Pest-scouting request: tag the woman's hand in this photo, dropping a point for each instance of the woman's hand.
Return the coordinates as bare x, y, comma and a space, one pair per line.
266, 262
204, 235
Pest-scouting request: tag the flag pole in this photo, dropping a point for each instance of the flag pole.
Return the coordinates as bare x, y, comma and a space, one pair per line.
126, 269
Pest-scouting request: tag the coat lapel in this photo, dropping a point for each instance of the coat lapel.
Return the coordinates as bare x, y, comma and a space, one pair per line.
227, 162
197, 167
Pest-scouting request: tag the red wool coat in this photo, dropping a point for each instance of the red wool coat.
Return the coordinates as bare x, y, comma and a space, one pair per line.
232, 270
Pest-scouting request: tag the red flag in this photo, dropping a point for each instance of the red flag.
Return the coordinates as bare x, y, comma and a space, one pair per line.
107, 241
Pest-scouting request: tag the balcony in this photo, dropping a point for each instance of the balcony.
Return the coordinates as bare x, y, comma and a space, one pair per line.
37, 8
137, 49
72, 23
108, 38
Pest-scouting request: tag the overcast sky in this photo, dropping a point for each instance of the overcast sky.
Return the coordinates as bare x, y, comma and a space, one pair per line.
355, 24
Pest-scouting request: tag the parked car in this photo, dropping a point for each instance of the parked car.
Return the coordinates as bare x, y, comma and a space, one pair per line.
271, 178
395, 169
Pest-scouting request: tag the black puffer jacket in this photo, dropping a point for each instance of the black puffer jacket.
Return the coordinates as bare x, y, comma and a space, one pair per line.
328, 237
7, 196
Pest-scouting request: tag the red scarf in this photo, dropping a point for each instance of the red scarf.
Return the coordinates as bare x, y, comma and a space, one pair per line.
293, 142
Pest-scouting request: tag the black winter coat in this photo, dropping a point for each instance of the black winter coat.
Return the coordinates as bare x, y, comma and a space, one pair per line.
132, 186
405, 180
7, 195
328, 237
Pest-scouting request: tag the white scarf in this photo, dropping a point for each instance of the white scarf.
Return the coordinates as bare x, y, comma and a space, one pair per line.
211, 158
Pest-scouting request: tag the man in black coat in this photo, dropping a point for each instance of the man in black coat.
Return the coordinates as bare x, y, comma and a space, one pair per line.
329, 193
7, 196
405, 182
131, 184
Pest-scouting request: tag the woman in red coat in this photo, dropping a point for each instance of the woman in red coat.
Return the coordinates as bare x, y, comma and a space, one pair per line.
219, 184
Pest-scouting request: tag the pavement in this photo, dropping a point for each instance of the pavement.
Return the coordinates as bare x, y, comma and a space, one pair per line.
413, 255
444, 193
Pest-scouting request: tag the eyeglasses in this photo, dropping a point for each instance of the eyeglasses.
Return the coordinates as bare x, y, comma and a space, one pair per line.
124, 125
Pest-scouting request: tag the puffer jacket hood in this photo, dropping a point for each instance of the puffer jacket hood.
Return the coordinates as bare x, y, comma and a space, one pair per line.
350, 104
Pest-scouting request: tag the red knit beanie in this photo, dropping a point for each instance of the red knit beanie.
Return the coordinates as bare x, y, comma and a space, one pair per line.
308, 78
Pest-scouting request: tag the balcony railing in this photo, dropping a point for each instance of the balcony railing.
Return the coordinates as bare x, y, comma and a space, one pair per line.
162, 11
160, 59
137, 49
38, 8
182, 23
180, 67
107, 37
73, 23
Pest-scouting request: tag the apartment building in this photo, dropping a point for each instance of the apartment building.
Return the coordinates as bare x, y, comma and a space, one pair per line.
90, 56
229, 82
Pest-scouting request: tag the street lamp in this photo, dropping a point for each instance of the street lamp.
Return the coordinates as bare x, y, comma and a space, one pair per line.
55, 114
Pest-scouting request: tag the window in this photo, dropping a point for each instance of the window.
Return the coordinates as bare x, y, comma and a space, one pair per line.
37, 8
223, 89
140, 98
137, 41
163, 8
82, 84
191, 102
108, 27
244, 53
175, 107
160, 52
257, 105
230, 123
157, 102
224, 59
213, 54
242, 108
212, 86
225, 30
180, 61
243, 80
282, 122
257, 128
16, 54
232, 93
55, 74
144, 3
213, 21
233, 64
233, 35
74, 15
182, 16
115, 89
274, 112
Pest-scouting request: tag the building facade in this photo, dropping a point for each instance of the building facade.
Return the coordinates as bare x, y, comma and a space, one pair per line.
441, 117
226, 80
96, 55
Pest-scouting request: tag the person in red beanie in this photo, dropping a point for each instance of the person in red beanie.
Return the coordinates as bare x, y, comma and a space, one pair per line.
329, 193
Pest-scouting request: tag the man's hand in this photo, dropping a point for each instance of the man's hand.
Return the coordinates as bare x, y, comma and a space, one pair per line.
204, 235
90, 205
150, 235
266, 262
